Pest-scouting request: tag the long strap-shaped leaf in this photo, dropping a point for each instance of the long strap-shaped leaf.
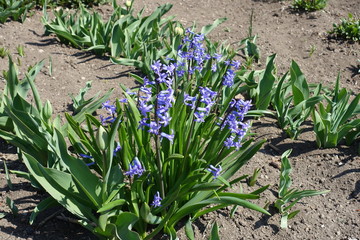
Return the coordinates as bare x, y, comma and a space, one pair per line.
189, 209
70, 204
86, 180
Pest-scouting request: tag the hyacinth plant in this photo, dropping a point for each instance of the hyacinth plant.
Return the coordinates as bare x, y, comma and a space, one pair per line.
164, 152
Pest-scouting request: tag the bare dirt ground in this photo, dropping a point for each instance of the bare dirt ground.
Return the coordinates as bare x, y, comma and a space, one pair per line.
291, 35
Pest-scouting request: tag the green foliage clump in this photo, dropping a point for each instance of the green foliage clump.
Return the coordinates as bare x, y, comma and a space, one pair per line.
15, 10
338, 119
75, 3
348, 28
153, 159
3, 52
309, 5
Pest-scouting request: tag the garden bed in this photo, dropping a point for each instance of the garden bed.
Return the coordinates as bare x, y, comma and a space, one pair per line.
292, 36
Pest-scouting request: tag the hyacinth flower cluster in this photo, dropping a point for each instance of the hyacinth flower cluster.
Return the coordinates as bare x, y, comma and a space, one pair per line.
192, 50
155, 114
135, 168
228, 79
192, 56
207, 98
111, 111
234, 122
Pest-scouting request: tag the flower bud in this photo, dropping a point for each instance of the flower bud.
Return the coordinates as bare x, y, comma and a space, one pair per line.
179, 30
47, 110
128, 4
101, 138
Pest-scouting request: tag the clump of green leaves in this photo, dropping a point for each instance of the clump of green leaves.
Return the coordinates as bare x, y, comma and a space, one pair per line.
309, 5
78, 101
141, 171
288, 197
21, 50
13, 103
337, 120
15, 9
122, 35
348, 29
18, 10
75, 3
3, 52
293, 102
253, 178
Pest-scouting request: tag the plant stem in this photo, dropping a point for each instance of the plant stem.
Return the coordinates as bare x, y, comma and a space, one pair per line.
159, 165
158, 152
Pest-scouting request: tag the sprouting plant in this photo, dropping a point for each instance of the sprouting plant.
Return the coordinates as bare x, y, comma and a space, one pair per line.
348, 29
3, 52
337, 120
50, 66
288, 197
12, 206
79, 102
7, 176
20, 50
251, 50
312, 50
309, 5
252, 180
293, 102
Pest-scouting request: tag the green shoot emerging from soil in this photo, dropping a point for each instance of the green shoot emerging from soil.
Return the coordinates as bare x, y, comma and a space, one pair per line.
288, 197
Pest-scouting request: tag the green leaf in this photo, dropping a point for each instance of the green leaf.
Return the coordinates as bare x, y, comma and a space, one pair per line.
7, 176
285, 180
189, 209
86, 180
57, 192
299, 85
163, 222
214, 235
111, 205
124, 223
43, 205
189, 231
293, 214
147, 216
208, 28
350, 110
266, 82
12, 206
205, 186
127, 62
260, 190
239, 195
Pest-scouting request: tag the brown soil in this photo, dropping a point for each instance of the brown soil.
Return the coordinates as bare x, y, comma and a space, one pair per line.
291, 35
